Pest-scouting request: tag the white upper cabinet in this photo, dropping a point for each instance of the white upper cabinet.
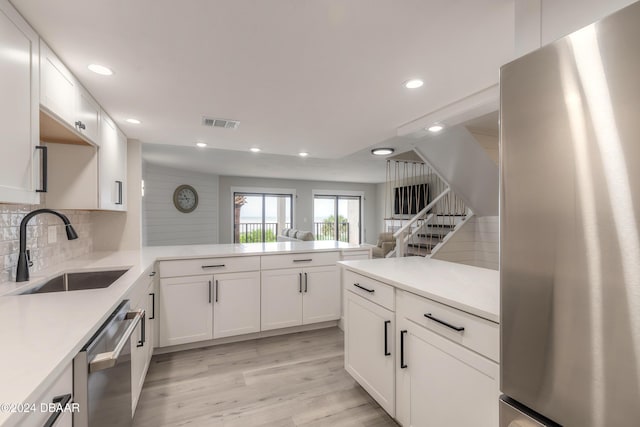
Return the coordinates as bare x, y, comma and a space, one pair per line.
64, 98
112, 166
19, 123
58, 92
88, 113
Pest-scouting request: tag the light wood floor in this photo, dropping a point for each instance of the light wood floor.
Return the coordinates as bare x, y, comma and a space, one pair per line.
291, 380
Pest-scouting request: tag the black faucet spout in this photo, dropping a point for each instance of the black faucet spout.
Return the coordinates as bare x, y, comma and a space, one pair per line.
22, 271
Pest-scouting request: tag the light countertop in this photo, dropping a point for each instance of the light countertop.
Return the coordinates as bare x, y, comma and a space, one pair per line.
472, 289
41, 333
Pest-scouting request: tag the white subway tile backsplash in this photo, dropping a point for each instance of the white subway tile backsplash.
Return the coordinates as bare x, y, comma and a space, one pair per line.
43, 253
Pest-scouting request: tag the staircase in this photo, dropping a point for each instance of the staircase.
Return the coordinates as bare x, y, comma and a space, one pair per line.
441, 213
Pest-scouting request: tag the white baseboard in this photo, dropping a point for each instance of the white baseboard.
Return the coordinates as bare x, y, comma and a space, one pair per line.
247, 337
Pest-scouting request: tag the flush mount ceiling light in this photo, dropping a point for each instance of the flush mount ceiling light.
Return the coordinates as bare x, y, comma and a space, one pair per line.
382, 151
435, 128
413, 83
254, 149
201, 144
303, 154
100, 69
133, 121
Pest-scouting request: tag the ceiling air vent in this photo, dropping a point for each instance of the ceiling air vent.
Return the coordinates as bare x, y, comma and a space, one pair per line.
220, 123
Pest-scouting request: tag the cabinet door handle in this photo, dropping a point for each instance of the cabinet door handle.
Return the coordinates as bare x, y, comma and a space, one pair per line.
45, 168
357, 285
306, 283
80, 125
402, 364
119, 202
143, 337
212, 266
153, 305
60, 403
209, 291
153, 273
217, 291
300, 282
442, 322
386, 338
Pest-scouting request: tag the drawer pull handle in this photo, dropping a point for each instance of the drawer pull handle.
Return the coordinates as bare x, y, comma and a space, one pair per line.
442, 322
153, 306
402, 364
303, 260
386, 338
213, 266
61, 402
357, 285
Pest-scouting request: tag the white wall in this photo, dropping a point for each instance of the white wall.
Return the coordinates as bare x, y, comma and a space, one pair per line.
465, 165
476, 243
490, 144
163, 223
303, 205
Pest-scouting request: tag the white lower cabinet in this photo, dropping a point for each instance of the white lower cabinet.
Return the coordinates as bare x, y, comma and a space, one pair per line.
236, 308
441, 383
142, 342
439, 364
199, 308
299, 296
59, 393
369, 348
186, 310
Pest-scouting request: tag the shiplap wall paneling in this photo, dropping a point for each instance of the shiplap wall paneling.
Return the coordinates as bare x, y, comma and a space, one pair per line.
163, 223
476, 243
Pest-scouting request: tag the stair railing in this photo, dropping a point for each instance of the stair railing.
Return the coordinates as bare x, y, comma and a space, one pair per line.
410, 228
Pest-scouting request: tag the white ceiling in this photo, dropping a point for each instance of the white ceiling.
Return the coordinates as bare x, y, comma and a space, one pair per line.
362, 166
323, 76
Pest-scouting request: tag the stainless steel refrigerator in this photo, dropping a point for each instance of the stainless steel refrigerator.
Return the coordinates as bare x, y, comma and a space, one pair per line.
569, 225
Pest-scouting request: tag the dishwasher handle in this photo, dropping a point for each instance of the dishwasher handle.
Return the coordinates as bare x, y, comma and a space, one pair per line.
108, 359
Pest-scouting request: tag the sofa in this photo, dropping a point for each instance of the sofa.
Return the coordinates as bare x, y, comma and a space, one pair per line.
386, 243
294, 235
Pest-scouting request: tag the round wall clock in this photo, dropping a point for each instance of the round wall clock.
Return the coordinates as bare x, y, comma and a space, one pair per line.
185, 198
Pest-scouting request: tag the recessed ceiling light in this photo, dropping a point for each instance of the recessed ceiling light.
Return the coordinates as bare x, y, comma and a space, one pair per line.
201, 144
303, 154
100, 69
435, 128
133, 121
254, 149
413, 83
382, 151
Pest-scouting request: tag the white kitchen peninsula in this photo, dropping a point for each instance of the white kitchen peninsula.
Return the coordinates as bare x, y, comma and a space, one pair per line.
42, 333
422, 337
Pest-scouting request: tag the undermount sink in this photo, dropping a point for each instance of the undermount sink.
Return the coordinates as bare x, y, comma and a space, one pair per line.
77, 282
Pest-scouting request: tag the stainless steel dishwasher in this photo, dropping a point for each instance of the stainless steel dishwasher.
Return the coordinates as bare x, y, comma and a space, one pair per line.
102, 372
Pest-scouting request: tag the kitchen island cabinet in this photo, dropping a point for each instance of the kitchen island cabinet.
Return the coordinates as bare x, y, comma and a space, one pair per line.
445, 350
186, 310
299, 295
